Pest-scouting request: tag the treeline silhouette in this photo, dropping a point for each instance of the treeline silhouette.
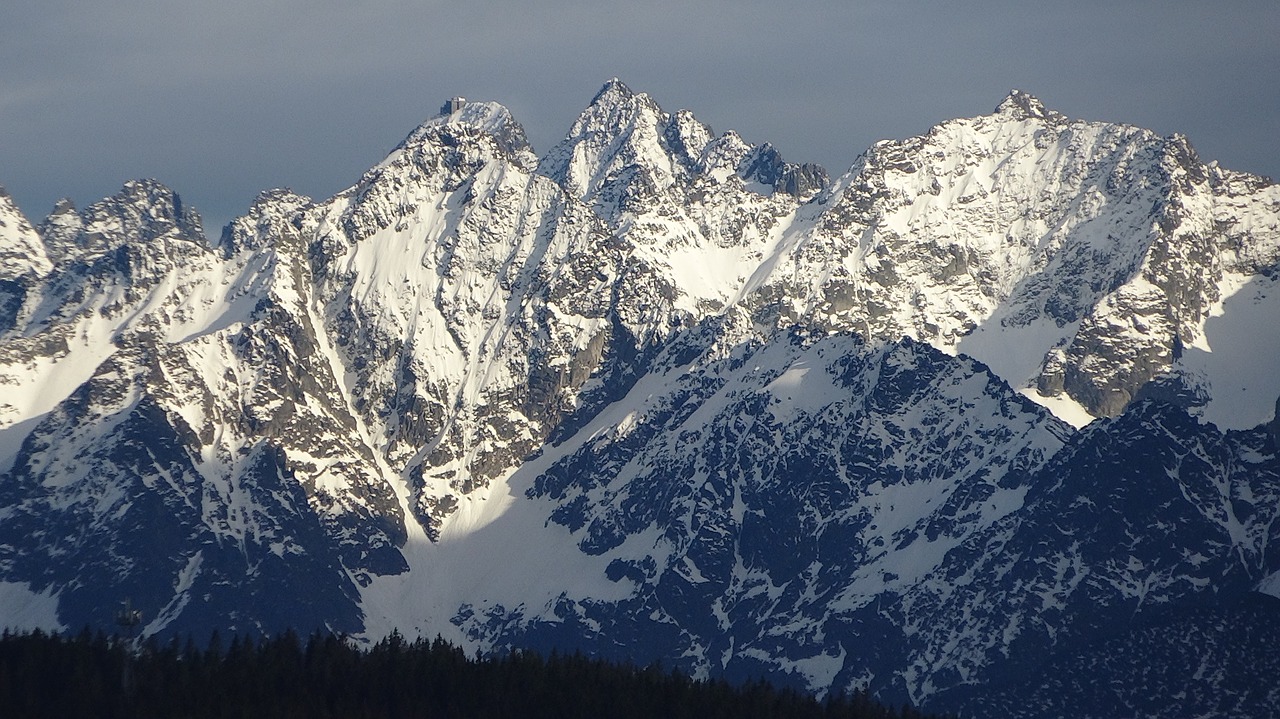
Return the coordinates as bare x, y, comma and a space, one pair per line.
93, 675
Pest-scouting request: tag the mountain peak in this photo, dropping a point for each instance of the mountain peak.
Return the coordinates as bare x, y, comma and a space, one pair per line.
63, 224
20, 248
63, 206
157, 206
143, 209
621, 412
616, 117
765, 164
613, 89
490, 118
616, 97
1025, 106
148, 190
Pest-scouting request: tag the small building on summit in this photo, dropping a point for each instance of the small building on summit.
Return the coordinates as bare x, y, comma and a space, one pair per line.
453, 105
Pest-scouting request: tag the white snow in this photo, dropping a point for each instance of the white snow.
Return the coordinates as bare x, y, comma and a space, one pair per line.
1240, 354
513, 558
1062, 406
802, 388
1271, 585
181, 596
1014, 352
980, 232
34, 387
498, 549
25, 610
21, 251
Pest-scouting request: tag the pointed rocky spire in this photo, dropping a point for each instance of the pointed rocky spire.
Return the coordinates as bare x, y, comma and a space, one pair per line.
616, 118
490, 118
21, 251
611, 90
1023, 106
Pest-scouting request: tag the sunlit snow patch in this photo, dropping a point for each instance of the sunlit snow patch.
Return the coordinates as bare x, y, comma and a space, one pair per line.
1239, 353
26, 610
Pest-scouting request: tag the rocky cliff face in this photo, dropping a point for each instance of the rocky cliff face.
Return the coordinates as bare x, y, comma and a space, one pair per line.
659, 393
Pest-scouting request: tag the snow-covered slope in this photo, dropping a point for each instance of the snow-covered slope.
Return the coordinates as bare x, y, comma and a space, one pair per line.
697, 213
1078, 259
753, 493
1149, 513
21, 250
176, 432
660, 394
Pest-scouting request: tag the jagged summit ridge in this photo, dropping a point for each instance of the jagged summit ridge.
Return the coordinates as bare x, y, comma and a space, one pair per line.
21, 250
1024, 106
612, 87
664, 148
953, 237
661, 394
487, 118
145, 209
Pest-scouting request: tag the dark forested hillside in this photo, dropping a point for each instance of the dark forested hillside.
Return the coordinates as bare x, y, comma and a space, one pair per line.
47, 675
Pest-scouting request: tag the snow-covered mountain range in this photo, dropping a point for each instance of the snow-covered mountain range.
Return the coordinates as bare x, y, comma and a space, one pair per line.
1000, 398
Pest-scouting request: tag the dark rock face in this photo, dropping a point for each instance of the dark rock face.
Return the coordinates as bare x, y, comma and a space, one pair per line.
776, 424
13, 295
765, 165
1149, 667
141, 522
1150, 529
1095, 539
1274, 425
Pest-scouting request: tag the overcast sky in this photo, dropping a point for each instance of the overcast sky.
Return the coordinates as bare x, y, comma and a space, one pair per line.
220, 100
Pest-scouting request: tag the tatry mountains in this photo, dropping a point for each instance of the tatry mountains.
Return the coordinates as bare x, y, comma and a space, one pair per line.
986, 424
